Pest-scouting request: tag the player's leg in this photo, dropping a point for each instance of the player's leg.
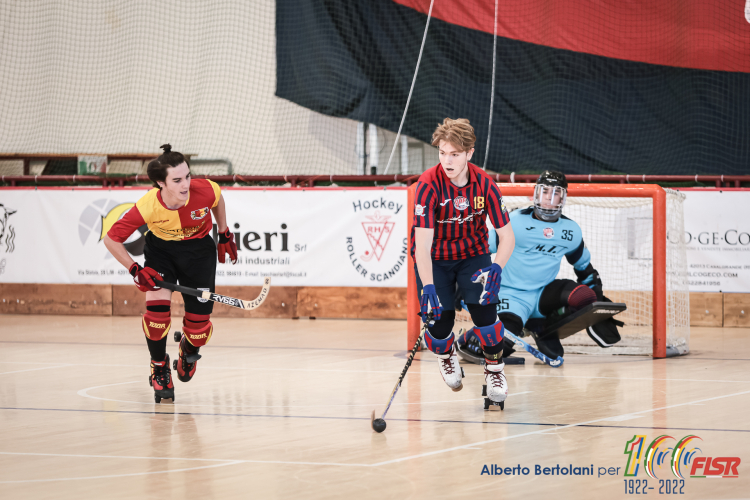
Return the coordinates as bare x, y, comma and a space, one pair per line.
565, 293
440, 337
157, 321
196, 269
563, 297
487, 327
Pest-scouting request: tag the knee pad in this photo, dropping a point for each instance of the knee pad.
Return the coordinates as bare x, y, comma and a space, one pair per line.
157, 320
439, 346
485, 315
197, 328
581, 296
490, 336
444, 326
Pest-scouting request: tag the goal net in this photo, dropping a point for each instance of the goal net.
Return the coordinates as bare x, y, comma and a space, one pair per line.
618, 230
619, 234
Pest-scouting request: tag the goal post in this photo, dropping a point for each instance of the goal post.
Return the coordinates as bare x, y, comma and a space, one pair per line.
662, 305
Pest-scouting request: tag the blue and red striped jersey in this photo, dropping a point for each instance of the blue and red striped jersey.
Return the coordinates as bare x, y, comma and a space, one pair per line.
457, 213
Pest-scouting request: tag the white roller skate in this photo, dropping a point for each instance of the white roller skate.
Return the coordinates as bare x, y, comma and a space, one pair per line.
496, 389
450, 370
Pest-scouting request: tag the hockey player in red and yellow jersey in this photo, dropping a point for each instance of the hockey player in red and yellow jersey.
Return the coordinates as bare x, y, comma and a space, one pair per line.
178, 248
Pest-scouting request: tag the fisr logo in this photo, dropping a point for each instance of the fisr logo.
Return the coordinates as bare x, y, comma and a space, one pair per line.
722, 466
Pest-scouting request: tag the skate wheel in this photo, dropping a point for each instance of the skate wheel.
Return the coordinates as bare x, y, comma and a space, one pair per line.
157, 398
149, 382
177, 336
463, 375
493, 406
174, 364
484, 391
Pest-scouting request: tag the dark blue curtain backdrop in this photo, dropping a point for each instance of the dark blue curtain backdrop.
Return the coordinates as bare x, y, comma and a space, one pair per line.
554, 108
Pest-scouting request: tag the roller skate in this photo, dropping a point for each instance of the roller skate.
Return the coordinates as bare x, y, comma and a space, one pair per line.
450, 370
188, 359
496, 389
161, 380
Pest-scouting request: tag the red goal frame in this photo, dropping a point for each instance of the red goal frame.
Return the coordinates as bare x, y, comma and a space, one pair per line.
653, 191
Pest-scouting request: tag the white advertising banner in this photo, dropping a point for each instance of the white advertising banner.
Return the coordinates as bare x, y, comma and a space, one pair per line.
310, 237
313, 237
717, 233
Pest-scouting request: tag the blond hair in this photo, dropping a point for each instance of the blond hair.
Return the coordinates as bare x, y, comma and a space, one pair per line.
458, 132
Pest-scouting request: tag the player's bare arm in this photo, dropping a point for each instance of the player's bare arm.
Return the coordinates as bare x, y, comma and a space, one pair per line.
118, 251
424, 237
220, 214
506, 244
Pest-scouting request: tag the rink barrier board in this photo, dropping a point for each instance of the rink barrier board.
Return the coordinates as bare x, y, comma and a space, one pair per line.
282, 301
707, 309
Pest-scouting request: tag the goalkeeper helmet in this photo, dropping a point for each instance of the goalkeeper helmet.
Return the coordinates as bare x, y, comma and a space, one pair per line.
549, 195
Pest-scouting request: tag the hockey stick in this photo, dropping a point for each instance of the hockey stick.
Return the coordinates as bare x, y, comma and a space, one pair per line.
247, 305
555, 363
378, 424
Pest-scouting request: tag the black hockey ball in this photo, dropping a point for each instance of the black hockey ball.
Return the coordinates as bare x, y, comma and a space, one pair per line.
378, 425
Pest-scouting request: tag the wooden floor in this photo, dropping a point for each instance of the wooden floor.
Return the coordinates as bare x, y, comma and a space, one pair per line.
281, 409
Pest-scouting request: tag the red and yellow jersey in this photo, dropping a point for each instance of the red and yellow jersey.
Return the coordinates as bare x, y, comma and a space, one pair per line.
189, 222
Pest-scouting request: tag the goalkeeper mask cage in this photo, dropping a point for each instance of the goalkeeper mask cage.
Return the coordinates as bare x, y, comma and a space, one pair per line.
550, 194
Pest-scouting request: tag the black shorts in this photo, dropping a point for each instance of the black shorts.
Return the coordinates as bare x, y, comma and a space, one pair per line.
192, 263
447, 275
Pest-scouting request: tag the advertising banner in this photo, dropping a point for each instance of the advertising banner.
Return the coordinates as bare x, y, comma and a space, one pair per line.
319, 237
306, 237
717, 234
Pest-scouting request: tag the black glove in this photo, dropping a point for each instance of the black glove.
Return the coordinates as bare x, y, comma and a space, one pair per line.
590, 277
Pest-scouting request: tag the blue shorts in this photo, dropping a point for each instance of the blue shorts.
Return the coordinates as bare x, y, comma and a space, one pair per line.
522, 303
446, 274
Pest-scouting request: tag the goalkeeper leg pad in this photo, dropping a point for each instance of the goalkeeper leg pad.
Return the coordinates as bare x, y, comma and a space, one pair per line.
549, 345
197, 328
157, 320
605, 334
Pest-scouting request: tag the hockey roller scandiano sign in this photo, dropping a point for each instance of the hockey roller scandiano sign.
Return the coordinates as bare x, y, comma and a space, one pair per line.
247, 305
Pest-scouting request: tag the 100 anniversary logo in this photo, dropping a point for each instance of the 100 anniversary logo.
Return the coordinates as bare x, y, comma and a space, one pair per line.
682, 458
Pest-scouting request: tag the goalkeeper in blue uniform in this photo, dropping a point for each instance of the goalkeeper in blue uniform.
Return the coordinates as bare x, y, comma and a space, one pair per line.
529, 290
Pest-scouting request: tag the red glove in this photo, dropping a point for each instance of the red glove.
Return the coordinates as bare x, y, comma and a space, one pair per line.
144, 277
227, 245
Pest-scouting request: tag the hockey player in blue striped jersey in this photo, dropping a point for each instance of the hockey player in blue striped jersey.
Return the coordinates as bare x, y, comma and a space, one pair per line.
529, 290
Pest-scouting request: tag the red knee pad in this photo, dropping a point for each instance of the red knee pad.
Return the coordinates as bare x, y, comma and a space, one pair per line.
156, 324
581, 296
197, 328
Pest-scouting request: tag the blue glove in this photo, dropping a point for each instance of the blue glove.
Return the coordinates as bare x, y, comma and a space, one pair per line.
489, 277
430, 303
